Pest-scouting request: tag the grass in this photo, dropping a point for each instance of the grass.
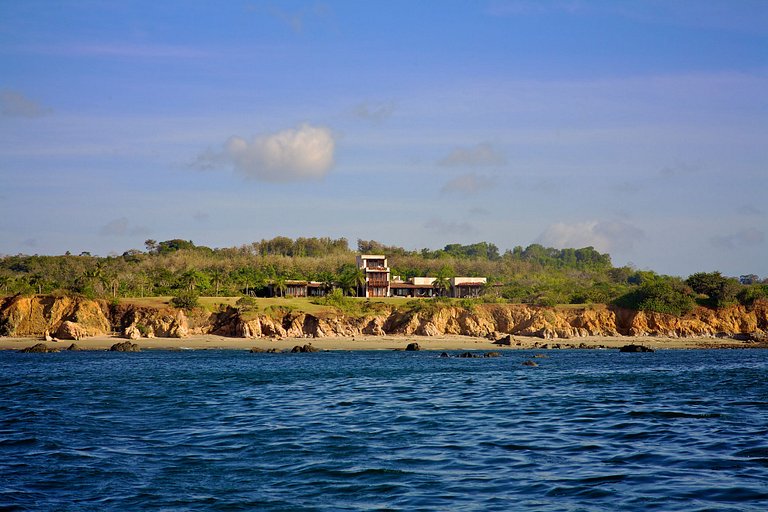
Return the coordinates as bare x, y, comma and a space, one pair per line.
300, 304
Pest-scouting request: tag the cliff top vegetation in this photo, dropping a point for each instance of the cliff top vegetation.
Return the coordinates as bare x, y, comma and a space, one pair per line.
532, 275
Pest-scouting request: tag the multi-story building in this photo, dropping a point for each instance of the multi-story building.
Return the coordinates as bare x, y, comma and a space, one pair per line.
376, 274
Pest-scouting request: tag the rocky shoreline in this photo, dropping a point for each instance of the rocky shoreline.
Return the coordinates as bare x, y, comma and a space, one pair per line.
77, 318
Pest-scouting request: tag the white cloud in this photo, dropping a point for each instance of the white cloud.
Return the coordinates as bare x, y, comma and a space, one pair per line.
479, 155
468, 184
745, 238
604, 236
305, 153
15, 104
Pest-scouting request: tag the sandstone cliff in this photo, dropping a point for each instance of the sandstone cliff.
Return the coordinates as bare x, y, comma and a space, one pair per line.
71, 317
65, 317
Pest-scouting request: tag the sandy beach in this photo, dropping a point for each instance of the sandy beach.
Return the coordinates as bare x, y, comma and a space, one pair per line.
212, 342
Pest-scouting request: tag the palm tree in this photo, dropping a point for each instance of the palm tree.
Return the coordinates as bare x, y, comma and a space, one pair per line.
280, 286
5, 282
442, 282
217, 275
358, 278
347, 283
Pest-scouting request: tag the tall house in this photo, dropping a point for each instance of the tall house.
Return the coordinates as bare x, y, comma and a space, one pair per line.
376, 274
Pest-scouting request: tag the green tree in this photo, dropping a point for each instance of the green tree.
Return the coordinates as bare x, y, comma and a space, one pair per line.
442, 282
662, 295
720, 291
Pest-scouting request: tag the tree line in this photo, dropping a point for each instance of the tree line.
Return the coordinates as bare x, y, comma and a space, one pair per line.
533, 275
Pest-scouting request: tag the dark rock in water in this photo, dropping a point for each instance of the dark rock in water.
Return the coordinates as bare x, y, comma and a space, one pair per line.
257, 350
505, 341
759, 337
412, 347
306, 348
125, 346
529, 363
444, 354
40, 348
467, 355
635, 348
491, 354
74, 347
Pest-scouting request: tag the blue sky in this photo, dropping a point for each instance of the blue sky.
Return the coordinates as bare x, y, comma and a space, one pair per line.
638, 127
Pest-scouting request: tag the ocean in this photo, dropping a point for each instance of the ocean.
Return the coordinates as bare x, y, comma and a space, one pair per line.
229, 430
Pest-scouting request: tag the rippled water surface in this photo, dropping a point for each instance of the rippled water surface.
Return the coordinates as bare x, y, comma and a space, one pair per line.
226, 430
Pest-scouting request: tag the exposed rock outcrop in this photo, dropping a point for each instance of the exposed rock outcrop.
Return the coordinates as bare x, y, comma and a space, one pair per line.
72, 331
635, 348
134, 322
304, 349
38, 314
77, 318
125, 346
40, 348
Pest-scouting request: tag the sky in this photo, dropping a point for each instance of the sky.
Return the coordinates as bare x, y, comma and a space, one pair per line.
637, 127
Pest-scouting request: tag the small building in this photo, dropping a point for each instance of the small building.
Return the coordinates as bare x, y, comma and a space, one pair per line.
299, 288
414, 287
462, 287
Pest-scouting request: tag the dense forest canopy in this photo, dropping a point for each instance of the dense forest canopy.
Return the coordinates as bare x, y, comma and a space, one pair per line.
533, 275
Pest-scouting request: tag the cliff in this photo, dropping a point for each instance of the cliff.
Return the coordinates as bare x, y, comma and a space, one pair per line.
73, 318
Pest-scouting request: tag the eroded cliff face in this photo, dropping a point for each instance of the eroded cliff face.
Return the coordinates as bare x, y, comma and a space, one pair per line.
65, 317
70, 317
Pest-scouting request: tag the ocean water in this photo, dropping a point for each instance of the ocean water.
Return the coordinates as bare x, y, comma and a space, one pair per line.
227, 430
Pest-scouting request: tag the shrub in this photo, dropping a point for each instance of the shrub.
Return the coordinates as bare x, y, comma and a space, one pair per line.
143, 329
278, 312
186, 300
661, 295
469, 304
720, 291
245, 304
750, 294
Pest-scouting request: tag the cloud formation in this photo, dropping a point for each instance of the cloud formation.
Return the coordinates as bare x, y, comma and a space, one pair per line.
470, 183
15, 104
744, 238
604, 236
121, 227
305, 153
475, 156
